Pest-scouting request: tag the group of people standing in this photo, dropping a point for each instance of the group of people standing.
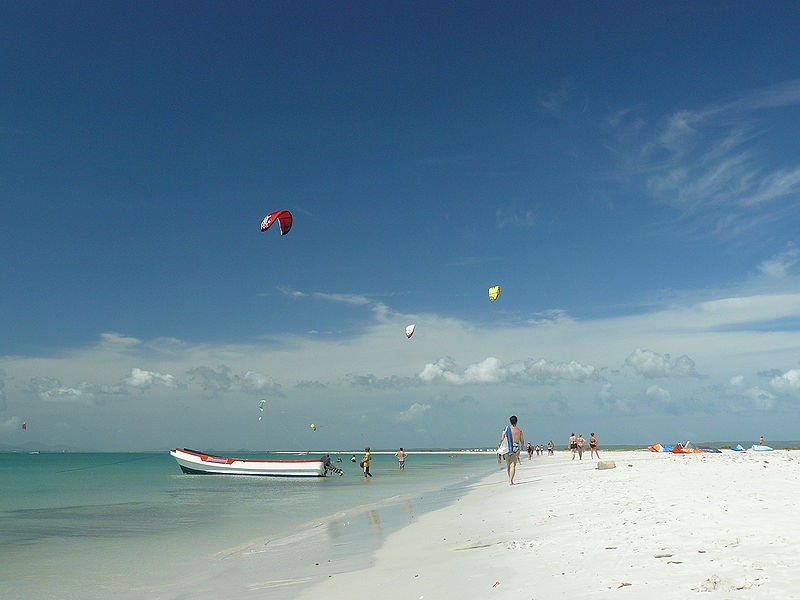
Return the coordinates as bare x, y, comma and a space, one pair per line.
401, 456
512, 439
539, 449
577, 443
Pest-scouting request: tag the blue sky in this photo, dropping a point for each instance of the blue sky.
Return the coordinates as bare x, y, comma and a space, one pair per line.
629, 174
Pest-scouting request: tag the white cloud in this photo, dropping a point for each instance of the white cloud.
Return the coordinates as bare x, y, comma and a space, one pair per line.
222, 379
492, 370
761, 399
257, 381
652, 364
788, 382
50, 389
413, 412
609, 400
142, 379
781, 264
737, 381
710, 163
658, 394
118, 340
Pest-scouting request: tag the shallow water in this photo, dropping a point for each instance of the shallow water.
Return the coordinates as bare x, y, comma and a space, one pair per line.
90, 525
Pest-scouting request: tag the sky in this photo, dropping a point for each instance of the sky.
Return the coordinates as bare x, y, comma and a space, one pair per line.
628, 172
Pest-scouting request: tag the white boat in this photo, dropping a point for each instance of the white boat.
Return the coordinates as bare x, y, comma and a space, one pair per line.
198, 463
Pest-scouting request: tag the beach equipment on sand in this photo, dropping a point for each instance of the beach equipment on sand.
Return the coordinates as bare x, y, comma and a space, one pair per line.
606, 464
760, 448
656, 448
710, 449
198, 463
686, 448
737, 448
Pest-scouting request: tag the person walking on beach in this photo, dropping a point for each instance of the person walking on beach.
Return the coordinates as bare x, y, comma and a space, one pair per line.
365, 462
581, 442
593, 446
514, 446
573, 444
550, 447
530, 451
401, 458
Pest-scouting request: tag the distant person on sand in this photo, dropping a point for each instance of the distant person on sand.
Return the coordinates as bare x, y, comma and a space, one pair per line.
530, 451
573, 444
401, 458
365, 462
581, 442
593, 446
550, 447
514, 446
761, 441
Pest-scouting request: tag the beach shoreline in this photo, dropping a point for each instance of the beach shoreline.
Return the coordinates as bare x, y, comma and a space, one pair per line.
657, 525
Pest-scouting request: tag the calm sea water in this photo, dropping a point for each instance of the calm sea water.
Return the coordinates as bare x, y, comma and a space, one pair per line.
91, 526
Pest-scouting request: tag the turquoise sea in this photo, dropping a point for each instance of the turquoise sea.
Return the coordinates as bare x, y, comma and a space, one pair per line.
91, 526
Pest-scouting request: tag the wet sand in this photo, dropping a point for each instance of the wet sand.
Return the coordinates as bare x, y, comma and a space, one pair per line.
656, 526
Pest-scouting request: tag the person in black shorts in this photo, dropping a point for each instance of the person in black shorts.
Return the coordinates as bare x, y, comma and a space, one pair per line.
593, 446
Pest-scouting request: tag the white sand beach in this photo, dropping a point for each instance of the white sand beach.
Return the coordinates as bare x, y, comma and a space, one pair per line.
656, 526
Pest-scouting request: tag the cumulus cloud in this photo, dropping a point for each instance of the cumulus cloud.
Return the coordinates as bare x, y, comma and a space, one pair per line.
222, 379
492, 370
609, 400
383, 383
413, 412
651, 365
658, 394
50, 389
139, 378
761, 399
737, 381
787, 382
257, 381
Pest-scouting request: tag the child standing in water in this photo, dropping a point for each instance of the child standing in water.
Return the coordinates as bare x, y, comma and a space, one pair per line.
365, 462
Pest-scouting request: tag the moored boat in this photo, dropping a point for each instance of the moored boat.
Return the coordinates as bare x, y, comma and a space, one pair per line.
199, 463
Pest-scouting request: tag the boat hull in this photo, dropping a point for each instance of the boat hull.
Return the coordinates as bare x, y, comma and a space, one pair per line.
198, 463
